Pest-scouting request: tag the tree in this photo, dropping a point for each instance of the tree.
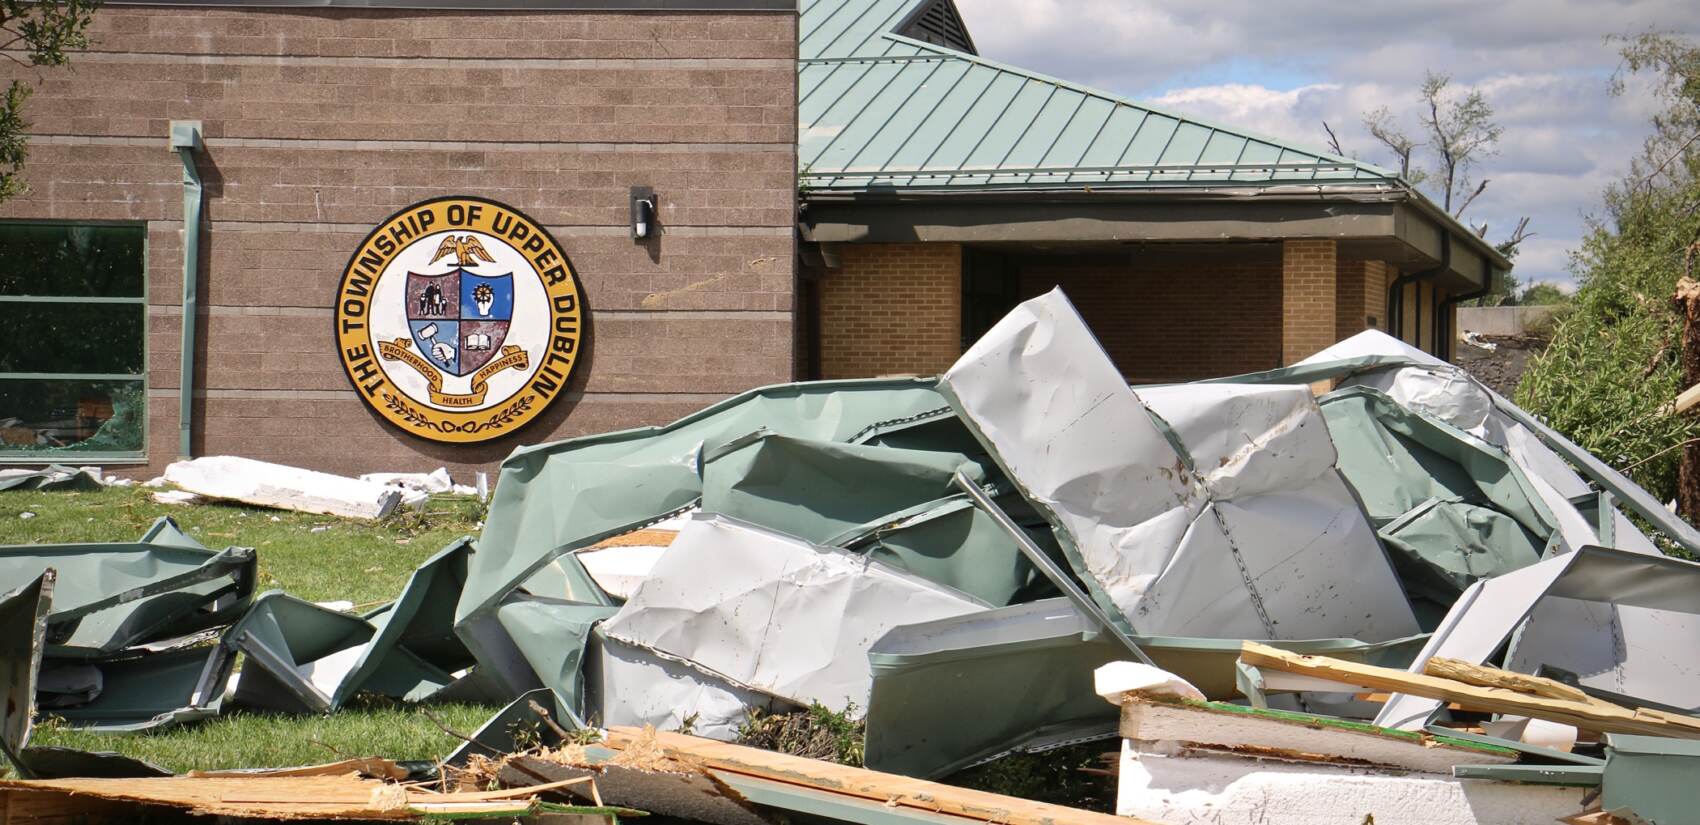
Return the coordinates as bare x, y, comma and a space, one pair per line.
1542, 294
1615, 362
47, 31
1459, 131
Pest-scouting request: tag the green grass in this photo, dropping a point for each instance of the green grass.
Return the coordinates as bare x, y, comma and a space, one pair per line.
363, 562
366, 563
249, 740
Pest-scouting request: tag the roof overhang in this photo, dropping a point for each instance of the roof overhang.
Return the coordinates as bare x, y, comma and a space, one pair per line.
1372, 221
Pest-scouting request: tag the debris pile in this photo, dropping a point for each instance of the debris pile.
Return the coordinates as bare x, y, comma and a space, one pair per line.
1400, 600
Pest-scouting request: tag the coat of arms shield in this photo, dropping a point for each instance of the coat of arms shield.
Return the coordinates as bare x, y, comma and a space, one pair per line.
459, 319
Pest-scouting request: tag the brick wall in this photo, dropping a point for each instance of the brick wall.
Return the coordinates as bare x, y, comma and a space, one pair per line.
896, 308
891, 309
1309, 298
1360, 295
321, 123
1173, 321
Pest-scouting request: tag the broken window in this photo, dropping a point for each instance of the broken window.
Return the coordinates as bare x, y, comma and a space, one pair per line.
72, 321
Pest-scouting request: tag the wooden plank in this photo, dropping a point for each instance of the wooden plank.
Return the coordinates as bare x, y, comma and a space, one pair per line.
1299, 736
890, 789
1459, 670
316, 797
1688, 399
638, 538
506, 793
1596, 716
372, 766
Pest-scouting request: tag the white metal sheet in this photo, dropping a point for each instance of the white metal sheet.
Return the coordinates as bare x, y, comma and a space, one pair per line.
1261, 540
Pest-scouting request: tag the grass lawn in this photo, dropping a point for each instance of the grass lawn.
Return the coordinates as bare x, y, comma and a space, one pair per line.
320, 558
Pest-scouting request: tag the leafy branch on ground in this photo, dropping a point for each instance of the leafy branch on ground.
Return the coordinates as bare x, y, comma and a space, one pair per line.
1079, 776
817, 733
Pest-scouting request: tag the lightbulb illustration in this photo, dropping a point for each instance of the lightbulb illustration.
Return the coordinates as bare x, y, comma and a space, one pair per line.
482, 297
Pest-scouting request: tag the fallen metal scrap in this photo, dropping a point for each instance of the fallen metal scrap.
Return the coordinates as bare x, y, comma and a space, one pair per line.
949, 561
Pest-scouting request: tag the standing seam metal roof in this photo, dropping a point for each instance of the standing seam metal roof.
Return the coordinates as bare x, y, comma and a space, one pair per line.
877, 110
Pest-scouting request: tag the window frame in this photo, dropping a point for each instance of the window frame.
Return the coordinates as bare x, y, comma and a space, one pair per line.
77, 457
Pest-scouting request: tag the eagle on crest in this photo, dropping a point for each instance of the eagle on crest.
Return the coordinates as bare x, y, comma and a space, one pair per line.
466, 249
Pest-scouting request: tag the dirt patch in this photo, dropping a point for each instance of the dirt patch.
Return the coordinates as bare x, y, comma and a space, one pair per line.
1502, 368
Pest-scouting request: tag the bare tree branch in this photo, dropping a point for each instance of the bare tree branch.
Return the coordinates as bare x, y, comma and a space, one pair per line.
1467, 201
1333, 140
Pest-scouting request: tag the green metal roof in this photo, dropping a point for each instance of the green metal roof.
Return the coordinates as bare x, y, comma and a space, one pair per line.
878, 110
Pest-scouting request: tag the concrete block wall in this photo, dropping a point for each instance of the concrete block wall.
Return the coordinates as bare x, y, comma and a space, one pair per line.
321, 123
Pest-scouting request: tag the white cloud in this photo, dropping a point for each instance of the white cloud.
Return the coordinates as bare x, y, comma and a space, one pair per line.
1282, 69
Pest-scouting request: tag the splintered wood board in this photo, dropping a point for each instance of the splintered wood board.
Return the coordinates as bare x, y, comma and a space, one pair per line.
889, 789
1303, 737
1594, 716
259, 797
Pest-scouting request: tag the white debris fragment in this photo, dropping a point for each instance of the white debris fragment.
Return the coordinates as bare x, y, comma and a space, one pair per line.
1118, 679
1475, 339
436, 481
413, 499
320, 529
26, 515
275, 518
483, 486
283, 487
156, 481
463, 490
1165, 782
176, 497
115, 481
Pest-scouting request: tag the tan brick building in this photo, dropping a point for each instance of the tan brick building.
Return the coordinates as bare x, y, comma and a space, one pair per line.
317, 122
939, 183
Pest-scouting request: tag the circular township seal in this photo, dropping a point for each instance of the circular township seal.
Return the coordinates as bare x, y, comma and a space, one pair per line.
459, 319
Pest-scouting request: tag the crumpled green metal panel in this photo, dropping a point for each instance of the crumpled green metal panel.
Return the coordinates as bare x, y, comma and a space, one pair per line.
819, 490
1451, 507
515, 727
146, 691
897, 505
1652, 777
298, 656
23, 635
418, 625
112, 596
1381, 355
553, 637
555, 498
955, 692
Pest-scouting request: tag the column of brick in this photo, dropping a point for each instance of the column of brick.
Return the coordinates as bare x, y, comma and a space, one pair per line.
891, 309
1308, 298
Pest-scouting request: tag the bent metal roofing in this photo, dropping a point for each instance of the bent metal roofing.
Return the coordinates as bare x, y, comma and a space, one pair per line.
879, 110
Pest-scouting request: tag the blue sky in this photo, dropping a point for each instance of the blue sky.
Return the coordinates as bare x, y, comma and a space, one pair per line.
1281, 68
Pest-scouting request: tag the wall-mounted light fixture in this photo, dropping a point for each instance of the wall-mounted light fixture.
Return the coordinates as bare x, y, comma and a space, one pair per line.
643, 212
